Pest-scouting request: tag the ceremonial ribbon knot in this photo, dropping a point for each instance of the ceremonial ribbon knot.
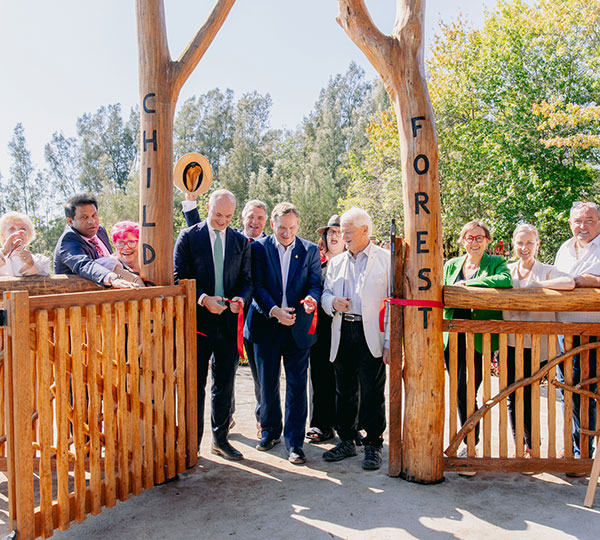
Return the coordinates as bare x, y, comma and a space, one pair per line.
313, 324
404, 302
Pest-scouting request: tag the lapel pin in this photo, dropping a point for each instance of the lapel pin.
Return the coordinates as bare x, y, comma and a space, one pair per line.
296, 256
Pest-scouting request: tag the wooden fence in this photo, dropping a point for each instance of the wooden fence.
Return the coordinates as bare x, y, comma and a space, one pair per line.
98, 400
550, 432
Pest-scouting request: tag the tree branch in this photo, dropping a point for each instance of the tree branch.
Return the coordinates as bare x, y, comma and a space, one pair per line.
196, 48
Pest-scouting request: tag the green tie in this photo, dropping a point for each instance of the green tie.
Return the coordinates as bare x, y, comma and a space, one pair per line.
218, 261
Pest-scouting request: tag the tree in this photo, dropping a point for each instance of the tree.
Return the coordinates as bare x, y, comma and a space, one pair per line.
485, 86
24, 186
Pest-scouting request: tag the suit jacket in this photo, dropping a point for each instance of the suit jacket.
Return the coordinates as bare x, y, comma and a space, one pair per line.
193, 259
304, 278
493, 272
376, 287
75, 255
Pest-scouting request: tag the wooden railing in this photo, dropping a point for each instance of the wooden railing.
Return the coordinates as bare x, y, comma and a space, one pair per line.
99, 399
550, 428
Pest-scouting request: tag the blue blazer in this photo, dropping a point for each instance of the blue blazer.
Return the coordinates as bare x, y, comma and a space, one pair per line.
193, 259
304, 279
74, 255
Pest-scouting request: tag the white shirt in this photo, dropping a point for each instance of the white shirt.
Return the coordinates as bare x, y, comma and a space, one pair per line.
355, 278
212, 235
285, 257
588, 262
539, 272
11, 266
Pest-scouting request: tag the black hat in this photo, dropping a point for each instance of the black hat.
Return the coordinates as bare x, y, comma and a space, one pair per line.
334, 221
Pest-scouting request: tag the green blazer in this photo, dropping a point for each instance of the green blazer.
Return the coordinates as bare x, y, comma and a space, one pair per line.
493, 272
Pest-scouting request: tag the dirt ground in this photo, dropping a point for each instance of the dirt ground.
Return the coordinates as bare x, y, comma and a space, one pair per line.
266, 497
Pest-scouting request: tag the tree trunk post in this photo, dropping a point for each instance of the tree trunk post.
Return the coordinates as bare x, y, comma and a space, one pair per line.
160, 80
398, 59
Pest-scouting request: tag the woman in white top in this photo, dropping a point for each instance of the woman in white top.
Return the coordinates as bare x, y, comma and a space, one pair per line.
528, 272
16, 233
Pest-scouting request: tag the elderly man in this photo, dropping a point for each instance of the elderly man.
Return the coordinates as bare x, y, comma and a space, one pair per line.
84, 241
287, 286
356, 283
580, 258
218, 258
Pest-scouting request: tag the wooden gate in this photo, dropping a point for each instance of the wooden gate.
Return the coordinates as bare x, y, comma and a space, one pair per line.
551, 409
99, 400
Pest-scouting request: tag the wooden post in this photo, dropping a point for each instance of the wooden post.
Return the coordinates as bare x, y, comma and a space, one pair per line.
160, 80
19, 374
398, 58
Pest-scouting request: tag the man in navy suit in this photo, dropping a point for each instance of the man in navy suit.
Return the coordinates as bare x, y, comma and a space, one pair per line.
83, 241
287, 284
254, 219
218, 258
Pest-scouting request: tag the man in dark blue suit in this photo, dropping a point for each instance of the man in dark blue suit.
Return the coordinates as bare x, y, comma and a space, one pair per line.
83, 241
218, 258
287, 285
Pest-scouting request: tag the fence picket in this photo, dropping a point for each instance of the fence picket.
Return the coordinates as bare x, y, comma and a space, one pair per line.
108, 354
159, 407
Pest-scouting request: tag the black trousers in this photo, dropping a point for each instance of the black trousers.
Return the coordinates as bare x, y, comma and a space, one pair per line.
461, 390
510, 369
223, 345
360, 385
322, 377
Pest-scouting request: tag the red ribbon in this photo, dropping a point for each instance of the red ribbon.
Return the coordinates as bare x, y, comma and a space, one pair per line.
404, 302
240, 327
313, 324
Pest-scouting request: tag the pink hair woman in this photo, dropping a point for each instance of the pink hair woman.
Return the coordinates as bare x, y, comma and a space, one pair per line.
125, 236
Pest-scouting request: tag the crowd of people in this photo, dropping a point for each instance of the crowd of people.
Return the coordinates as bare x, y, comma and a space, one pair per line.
314, 305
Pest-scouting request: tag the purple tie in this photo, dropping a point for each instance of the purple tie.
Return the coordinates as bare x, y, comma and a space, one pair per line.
96, 243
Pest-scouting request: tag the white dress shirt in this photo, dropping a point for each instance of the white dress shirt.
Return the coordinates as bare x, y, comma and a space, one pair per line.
587, 261
285, 257
212, 235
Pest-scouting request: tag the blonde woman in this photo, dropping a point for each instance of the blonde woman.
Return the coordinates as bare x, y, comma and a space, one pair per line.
16, 233
529, 272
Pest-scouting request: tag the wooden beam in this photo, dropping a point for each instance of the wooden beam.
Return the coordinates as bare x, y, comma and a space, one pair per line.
57, 284
528, 299
536, 465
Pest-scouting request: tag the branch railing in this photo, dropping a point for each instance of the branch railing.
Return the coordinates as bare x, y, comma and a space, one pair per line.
551, 410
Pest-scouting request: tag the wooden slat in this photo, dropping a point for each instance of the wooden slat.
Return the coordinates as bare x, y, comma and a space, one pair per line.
191, 412
593, 483
181, 379
169, 343
148, 444
46, 430
104, 296
108, 355
62, 404
568, 401
79, 416
487, 393
8, 384
134, 392
535, 397
503, 411
471, 391
453, 383
123, 424
93, 370
159, 406
551, 389
584, 401
519, 421
22, 411
526, 299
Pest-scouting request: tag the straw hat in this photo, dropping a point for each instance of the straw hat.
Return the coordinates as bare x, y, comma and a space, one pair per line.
192, 174
334, 221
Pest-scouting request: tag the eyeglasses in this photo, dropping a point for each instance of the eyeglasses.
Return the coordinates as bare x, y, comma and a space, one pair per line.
332, 232
120, 244
477, 239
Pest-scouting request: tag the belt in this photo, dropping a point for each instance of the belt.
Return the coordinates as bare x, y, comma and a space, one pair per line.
350, 317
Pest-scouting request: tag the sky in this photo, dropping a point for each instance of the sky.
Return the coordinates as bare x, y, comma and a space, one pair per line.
62, 59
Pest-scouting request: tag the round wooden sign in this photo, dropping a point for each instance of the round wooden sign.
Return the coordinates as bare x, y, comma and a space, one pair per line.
193, 174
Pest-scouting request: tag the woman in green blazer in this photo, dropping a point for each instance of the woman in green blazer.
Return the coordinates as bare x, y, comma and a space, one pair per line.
474, 269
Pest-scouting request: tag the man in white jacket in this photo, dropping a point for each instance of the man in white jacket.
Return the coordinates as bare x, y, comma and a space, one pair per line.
356, 283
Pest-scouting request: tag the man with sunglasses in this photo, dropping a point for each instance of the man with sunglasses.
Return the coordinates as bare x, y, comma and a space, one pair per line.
580, 258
